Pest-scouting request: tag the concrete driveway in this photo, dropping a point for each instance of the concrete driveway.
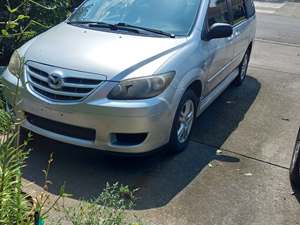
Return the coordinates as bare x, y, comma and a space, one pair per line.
235, 170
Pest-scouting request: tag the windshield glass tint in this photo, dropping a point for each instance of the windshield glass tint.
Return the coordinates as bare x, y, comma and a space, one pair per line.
175, 16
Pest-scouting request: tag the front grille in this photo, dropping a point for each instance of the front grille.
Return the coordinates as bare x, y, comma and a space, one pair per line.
72, 88
61, 128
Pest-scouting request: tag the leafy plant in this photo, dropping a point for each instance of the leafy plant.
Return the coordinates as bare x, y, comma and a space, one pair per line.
14, 204
5, 120
42, 204
108, 209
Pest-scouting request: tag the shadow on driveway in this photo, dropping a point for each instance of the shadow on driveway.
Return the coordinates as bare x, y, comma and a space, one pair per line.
161, 176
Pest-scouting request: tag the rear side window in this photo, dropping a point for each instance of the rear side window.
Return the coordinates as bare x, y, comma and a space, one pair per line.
238, 11
218, 12
250, 8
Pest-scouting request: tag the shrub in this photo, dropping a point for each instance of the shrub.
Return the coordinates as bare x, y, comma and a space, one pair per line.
108, 209
16, 207
20, 20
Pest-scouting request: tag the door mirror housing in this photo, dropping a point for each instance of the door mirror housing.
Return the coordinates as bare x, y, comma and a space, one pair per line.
219, 30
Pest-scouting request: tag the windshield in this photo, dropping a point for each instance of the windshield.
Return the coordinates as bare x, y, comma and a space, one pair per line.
175, 16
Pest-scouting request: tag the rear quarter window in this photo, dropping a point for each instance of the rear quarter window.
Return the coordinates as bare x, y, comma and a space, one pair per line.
238, 11
250, 8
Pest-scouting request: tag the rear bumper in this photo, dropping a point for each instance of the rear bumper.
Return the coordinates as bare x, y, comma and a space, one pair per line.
105, 117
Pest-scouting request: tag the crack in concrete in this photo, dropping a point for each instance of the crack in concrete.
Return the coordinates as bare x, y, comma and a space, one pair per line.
243, 155
256, 66
277, 42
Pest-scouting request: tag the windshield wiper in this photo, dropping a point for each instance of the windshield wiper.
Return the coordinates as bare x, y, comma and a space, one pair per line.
94, 24
105, 25
121, 25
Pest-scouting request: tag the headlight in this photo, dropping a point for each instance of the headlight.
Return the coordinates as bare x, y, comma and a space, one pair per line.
141, 88
14, 65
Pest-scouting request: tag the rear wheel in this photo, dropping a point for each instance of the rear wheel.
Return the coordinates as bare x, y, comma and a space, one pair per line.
295, 165
243, 69
183, 122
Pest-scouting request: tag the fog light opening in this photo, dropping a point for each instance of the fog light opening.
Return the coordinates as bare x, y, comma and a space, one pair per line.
123, 139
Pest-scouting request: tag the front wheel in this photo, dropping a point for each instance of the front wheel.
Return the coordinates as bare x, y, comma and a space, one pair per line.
183, 122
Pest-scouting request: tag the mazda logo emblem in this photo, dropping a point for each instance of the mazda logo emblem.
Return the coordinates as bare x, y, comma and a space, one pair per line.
55, 81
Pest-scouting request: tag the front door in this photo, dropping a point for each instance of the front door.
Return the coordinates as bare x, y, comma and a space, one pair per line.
220, 50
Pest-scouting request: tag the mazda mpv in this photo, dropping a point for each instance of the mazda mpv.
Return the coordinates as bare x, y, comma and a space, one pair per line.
130, 76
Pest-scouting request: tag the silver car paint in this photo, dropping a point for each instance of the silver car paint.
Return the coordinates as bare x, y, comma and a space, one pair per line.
98, 52
116, 57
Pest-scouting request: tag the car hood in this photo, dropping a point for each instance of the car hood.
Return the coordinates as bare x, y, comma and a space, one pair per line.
100, 52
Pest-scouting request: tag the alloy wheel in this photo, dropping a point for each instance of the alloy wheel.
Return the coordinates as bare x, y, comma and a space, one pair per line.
186, 120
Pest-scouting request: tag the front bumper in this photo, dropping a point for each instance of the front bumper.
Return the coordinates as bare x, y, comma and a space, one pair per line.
152, 117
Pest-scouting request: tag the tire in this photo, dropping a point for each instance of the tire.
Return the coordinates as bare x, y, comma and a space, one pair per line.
243, 69
295, 165
183, 122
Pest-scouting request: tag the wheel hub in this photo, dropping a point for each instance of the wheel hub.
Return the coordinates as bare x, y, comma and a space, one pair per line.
186, 120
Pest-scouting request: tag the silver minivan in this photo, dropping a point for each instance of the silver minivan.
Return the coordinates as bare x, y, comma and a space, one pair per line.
130, 76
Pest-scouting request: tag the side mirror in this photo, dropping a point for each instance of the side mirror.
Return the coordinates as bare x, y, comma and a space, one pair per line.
219, 30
